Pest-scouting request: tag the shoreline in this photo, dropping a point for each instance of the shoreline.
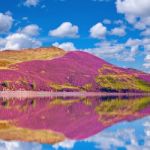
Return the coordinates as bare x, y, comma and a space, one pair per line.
34, 94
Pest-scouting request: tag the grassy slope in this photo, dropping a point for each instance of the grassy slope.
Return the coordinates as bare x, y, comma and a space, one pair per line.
122, 107
111, 78
9, 57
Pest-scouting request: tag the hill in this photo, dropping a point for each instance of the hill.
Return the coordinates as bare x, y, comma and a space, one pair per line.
53, 69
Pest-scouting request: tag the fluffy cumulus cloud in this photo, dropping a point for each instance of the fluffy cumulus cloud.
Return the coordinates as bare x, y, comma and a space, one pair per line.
66, 29
23, 38
137, 12
30, 3
118, 22
67, 144
19, 146
120, 51
146, 32
146, 45
18, 41
98, 31
30, 30
68, 46
6, 22
107, 21
147, 61
106, 48
133, 7
118, 31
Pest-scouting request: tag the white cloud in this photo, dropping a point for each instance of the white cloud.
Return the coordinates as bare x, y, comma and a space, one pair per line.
106, 49
30, 3
24, 18
137, 12
112, 49
146, 32
147, 125
139, 25
6, 22
118, 31
118, 22
19, 146
107, 21
133, 42
133, 7
66, 29
68, 46
18, 41
67, 144
147, 58
146, 44
98, 31
101, 0
30, 30
128, 55
147, 61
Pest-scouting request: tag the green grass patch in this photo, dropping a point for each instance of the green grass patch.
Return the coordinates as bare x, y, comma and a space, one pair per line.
64, 87
122, 106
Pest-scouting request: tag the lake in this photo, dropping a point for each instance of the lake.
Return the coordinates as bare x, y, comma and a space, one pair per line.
75, 122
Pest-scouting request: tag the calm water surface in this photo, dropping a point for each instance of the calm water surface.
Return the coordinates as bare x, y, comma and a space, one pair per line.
105, 123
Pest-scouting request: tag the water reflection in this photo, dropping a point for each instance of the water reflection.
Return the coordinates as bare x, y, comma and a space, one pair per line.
133, 135
64, 121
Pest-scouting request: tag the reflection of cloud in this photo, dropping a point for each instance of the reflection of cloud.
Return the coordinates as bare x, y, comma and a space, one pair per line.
109, 140
147, 127
19, 146
147, 133
67, 144
128, 135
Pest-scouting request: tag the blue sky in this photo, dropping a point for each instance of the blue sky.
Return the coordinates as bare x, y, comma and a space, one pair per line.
116, 30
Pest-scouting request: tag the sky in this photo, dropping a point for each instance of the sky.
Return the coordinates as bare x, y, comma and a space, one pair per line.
115, 30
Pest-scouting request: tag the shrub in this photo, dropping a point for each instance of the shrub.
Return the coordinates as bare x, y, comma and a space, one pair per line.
87, 87
5, 84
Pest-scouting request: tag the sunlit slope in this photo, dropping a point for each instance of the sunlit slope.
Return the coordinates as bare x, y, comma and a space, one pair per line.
9, 57
111, 78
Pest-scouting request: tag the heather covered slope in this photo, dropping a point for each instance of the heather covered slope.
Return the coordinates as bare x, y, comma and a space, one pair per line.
72, 71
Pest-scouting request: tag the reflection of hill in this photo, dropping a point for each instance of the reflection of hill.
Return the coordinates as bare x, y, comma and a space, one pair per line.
48, 120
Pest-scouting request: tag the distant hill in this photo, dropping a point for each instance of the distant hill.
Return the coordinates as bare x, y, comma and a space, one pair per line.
53, 69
